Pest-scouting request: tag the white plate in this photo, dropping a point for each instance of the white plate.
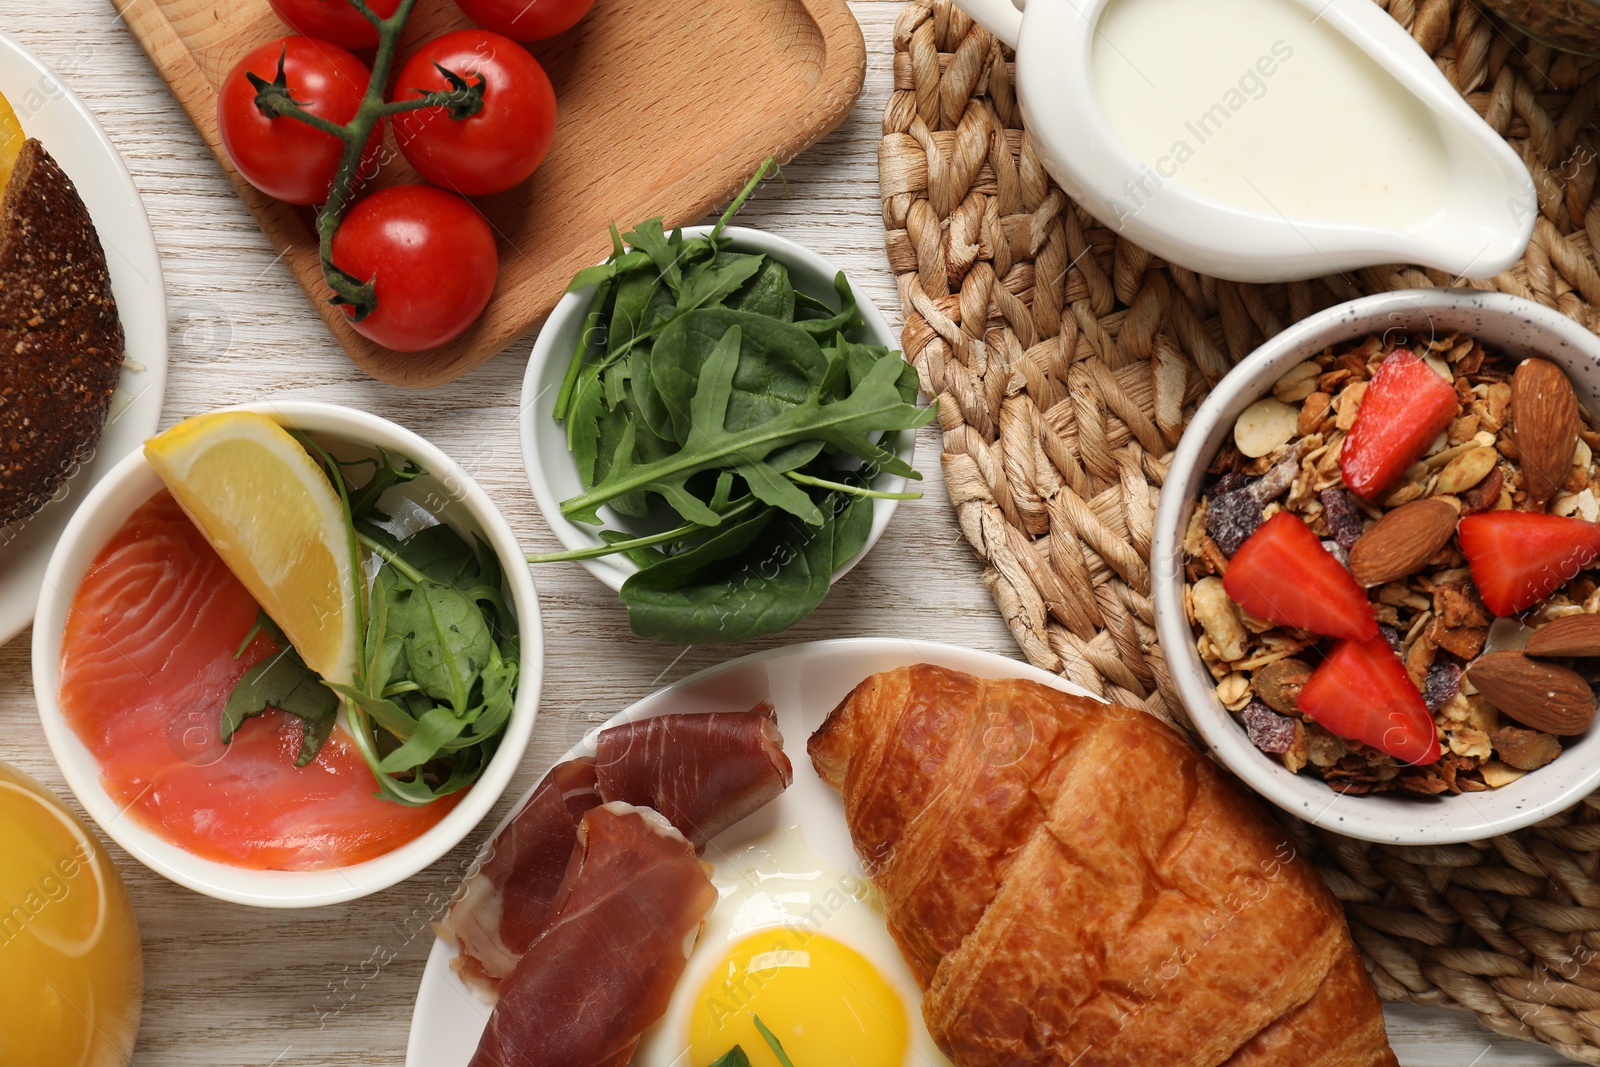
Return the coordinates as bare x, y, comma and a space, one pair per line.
804, 682
50, 112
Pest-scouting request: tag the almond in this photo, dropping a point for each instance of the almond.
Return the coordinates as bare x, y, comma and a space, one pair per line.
1544, 421
1402, 541
1572, 635
1542, 695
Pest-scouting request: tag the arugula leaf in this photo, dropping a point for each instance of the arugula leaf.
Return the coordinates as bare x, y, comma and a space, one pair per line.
283, 681
779, 367
848, 424
772, 1041
734, 1057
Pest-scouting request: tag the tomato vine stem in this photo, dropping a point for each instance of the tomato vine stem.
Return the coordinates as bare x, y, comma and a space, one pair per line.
462, 100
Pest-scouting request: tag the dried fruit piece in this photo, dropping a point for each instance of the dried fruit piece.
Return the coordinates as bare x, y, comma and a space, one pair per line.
1231, 517
1572, 635
1265, 426
1344, 516
1405, 408
1279, 684
1444, 682
1362, 692
1398, 544
1518, 558
1284, 575
1545, 696
1467, 469
1268, 731
1544, 422
1526, 750
1485, 494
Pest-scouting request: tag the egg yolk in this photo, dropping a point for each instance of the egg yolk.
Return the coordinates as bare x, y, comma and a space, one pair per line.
822, 1000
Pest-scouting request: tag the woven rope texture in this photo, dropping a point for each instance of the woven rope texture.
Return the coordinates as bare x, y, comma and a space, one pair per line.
1066, 361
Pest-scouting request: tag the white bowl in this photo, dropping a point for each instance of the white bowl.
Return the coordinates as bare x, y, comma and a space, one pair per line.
450, 493
1516, 326
553, 473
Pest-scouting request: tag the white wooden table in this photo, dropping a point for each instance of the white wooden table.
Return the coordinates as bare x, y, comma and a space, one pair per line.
229, 985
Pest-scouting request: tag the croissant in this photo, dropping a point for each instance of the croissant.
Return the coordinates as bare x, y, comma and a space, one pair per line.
1073, 884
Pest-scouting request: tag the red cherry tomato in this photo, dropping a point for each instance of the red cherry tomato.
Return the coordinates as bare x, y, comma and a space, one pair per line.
526, 20
282, 156
430, 257
334, 20
499, 146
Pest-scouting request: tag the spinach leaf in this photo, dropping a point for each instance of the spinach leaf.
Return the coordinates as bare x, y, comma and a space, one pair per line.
445, 637
779, 367
775, 582
716, 279
768, 293
283, 681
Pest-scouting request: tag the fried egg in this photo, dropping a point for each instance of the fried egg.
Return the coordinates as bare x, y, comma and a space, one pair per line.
804, 948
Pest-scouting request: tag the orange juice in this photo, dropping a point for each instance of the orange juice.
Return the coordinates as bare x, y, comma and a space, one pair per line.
71, 977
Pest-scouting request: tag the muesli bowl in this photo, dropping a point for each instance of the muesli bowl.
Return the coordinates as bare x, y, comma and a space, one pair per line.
1508, 329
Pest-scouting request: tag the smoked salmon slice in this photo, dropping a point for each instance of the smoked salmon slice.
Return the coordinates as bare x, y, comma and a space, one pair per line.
147, 664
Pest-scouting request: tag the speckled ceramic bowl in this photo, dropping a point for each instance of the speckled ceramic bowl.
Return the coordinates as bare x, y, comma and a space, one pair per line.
1516, 326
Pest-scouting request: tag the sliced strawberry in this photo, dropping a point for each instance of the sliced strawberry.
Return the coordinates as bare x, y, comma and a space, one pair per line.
1406, 407
1284, 575
1520, 557
1362, 692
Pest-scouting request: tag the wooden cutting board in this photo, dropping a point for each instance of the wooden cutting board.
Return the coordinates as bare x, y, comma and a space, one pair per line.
664, 109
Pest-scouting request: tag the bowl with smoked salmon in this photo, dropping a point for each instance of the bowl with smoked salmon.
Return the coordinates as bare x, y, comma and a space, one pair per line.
287, 655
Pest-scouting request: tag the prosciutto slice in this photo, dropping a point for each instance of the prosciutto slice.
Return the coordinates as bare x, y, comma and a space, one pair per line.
506, 902
704, 772
623, 922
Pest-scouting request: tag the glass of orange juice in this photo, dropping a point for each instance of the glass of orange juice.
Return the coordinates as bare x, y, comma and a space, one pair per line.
71, 976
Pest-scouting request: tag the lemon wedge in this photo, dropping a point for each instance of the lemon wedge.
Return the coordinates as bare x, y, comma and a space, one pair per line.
269, 511
11, 141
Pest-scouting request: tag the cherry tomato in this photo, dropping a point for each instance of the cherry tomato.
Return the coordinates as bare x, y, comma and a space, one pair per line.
430, 257
526, 20
499, 146
334, 20
282, 156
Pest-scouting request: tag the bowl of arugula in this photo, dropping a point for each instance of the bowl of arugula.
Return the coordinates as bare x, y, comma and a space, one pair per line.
717, 425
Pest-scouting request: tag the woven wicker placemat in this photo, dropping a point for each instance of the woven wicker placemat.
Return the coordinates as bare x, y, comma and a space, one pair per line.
1066, 361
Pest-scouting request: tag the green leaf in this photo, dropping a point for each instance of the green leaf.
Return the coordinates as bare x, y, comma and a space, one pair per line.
772, 1042
773, 488
779, 367
734, 1057
283, 681
714, 280
724, 543
769, 293
446, 639
772, 584
849, 424
435, 728
844, 319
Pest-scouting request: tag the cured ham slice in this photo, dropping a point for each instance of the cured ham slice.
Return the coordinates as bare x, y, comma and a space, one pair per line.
507, 902
624, 920
702, 772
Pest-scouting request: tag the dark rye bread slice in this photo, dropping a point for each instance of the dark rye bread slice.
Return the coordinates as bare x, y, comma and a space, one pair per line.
61, 343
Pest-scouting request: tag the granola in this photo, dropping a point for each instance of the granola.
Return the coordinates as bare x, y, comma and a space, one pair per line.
1428, 580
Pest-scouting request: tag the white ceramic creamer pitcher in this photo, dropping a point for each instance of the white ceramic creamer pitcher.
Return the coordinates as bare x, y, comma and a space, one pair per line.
1264, 140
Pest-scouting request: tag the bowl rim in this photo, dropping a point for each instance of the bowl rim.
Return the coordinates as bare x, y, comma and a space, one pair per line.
86, 536
612, 571
1426, 821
